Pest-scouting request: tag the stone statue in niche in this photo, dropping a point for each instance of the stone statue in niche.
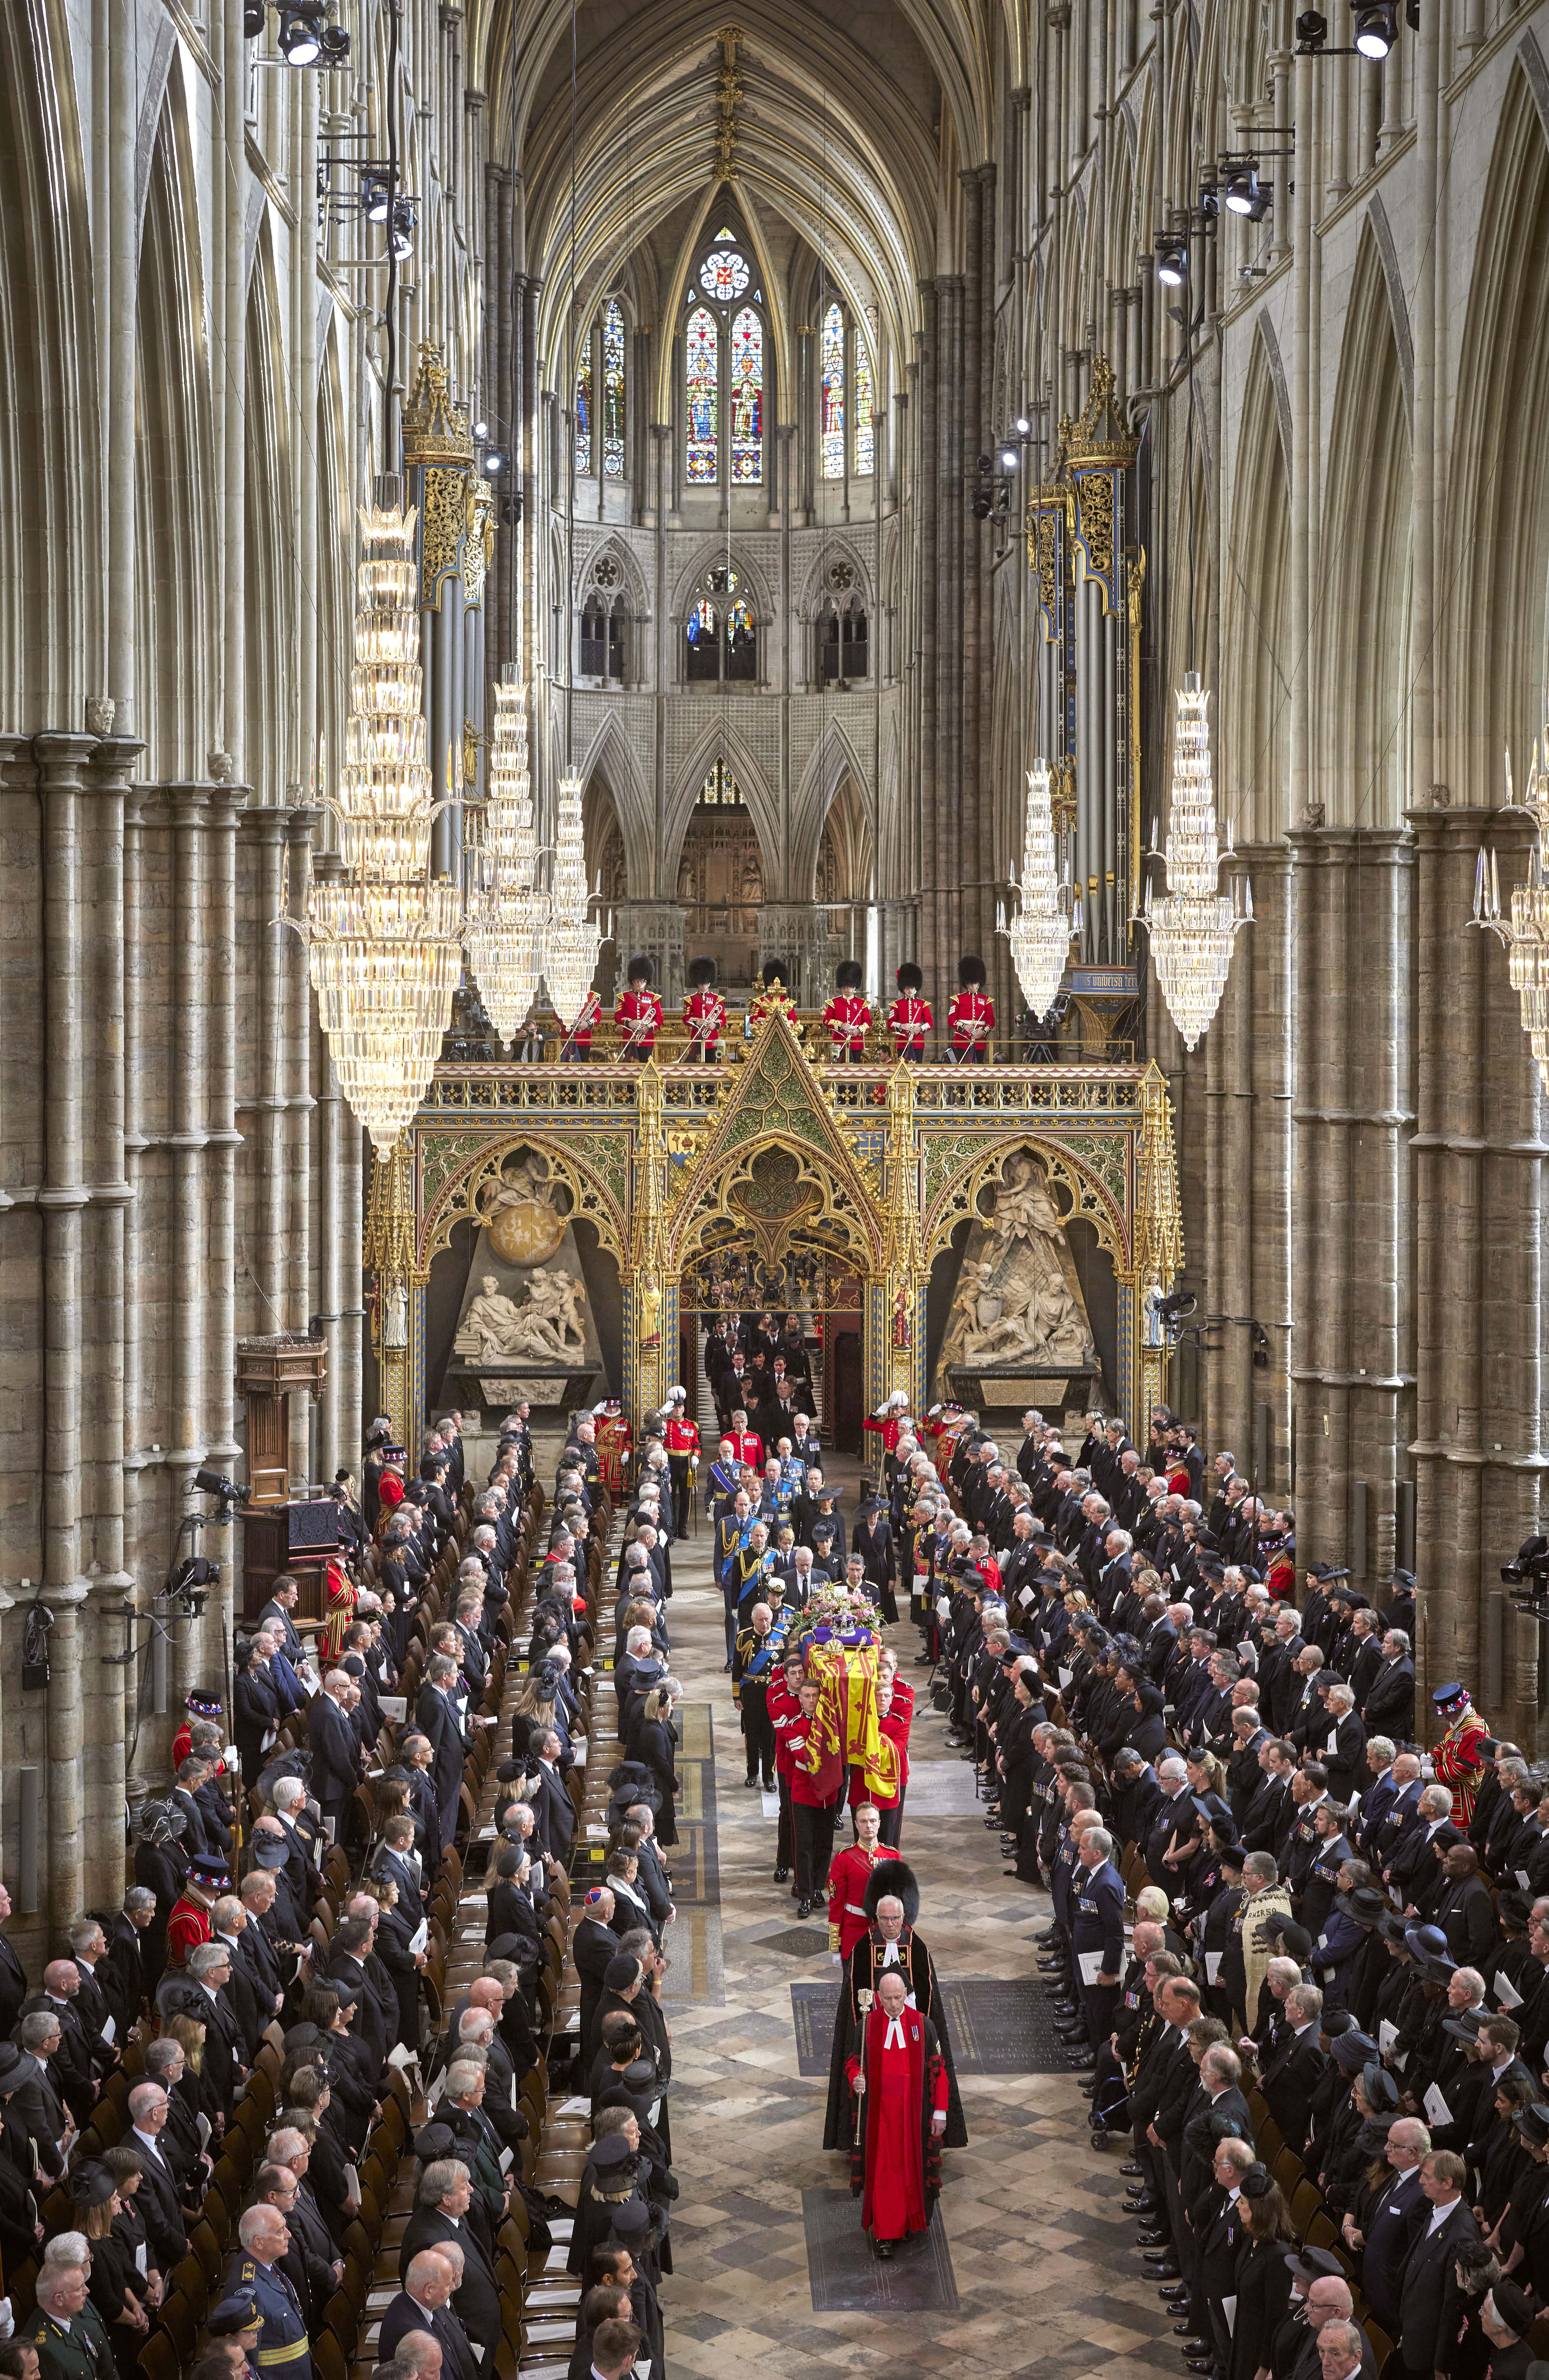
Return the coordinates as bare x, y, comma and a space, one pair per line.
1019, 1300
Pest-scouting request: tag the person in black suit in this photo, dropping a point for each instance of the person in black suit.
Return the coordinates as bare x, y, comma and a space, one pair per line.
1427, 2280
440, 2218
336, 1750
1390, 1706
13, 1974
1288, 2075
436, 1717
158, 2196
1381, 2226
256, 1708
1341, 1743
552, 1805
593, 1948
421, 2304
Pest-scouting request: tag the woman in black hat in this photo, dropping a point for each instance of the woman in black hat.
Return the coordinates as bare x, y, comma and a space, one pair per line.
1264, 2279
872, 1538
116, 2288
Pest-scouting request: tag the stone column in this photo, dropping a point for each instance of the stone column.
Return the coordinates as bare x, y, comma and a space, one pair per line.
1350, 1364
1478, 1158
928, 496
298, 1030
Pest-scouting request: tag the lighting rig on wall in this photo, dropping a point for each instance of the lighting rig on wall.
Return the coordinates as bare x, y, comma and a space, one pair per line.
1376, 30
308, 35
991, 497
365, 190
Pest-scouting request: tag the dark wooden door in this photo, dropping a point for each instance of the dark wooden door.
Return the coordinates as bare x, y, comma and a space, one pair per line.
849, 1401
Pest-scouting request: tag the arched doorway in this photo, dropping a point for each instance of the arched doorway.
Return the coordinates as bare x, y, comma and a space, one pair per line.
720, 878
845, 867
607, 870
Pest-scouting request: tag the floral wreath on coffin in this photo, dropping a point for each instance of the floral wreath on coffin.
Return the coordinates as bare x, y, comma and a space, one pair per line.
849, 1613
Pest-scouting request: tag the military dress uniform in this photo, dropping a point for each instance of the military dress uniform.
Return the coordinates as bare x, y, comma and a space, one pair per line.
83, 2351
847, 1018
639, 1018
283, 2346
683, 1453
705, 1014
578, 1040
971, 1019
756, 1666
909, 1018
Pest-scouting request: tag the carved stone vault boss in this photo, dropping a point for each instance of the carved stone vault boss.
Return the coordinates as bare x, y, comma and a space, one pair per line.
880, 1167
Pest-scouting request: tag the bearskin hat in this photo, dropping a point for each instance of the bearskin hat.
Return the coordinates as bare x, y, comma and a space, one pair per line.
848, 974
701, 972
970, 970
909, 976
642, 970
892, 1880
775, 971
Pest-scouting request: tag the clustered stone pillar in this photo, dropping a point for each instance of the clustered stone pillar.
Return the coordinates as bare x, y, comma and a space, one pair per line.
1478, 1160
1353, 1113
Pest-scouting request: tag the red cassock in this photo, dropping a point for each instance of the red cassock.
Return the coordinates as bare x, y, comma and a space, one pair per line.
896, 2165
849, 1873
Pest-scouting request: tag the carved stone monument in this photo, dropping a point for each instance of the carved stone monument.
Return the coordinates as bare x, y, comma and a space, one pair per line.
526, 1329
1018, 1333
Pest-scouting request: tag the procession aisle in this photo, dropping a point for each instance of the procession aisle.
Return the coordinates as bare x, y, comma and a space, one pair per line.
1044, 2261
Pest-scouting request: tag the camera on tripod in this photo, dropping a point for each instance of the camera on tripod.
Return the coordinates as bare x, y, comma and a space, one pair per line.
227, 1492
1527, 1576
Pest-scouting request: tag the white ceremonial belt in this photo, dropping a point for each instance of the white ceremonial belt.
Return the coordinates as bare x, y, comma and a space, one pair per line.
853, 1908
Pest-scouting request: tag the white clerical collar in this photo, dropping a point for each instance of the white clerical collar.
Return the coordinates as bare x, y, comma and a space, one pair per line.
889, 1954
893, 2038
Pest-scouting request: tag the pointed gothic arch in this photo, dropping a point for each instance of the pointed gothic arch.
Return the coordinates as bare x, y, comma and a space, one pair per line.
833, 762
721, 739
1256, 716
1362, 705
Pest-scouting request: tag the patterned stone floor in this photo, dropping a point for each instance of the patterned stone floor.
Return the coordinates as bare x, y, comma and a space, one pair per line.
1048, 2274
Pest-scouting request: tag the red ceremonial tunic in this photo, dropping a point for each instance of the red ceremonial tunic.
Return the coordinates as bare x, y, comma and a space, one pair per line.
847, 1019
972, 1018
1460, 1762
849, 1873
908, 1020
748, 1447
182, 1744
389, 1492
682, 1437
705, 1014
638, 1018
888, 1427
340, 1612
187, 1926
903, 2081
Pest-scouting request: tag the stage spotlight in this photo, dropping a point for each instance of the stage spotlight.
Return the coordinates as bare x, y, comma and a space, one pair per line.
1172, 262
300, 35
1376, 30
1244, 196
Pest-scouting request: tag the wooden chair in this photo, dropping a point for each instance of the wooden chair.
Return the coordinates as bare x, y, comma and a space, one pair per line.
179, 2319
1306, 2202
159, 2357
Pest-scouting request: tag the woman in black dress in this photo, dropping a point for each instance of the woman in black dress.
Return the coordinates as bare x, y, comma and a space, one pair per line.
872, 1538
655, 1747
1263, 2279
117, 2289
1463, 2350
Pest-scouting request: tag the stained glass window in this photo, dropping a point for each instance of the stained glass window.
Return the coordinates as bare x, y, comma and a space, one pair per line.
703, 394
719, 790
864, 443
747, 399
724, 274
612, 390
584, 413
833, 394
742, 642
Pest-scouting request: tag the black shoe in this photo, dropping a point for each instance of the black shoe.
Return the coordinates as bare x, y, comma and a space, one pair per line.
1082, 2065
1192, 2343
884, 2248
1153, 2237
782, 1875
750, 1780
1016, 1872
1141, 2205
1049, 1935
1132, 2170
1198, 2362
803, 1908
1162, 2256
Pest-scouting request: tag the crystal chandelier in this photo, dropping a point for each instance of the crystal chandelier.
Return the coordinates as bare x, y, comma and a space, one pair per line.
385, 942
505, 944
1040, 934
1526, 933
1192, 925
571, 942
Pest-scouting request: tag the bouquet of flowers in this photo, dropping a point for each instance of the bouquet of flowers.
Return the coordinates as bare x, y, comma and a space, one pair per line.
840, 1610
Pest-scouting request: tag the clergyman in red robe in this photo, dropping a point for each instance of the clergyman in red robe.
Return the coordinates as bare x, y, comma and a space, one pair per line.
901, 2078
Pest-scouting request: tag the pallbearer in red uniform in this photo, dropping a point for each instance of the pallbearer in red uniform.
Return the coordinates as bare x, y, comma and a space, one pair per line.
847, 1018
638, 1013
972, 1014
901, 2083
909, 1018
849, 1873
682, 1454
705, 1014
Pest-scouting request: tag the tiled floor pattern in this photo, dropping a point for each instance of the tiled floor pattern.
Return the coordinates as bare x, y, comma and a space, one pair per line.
1048, 2276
